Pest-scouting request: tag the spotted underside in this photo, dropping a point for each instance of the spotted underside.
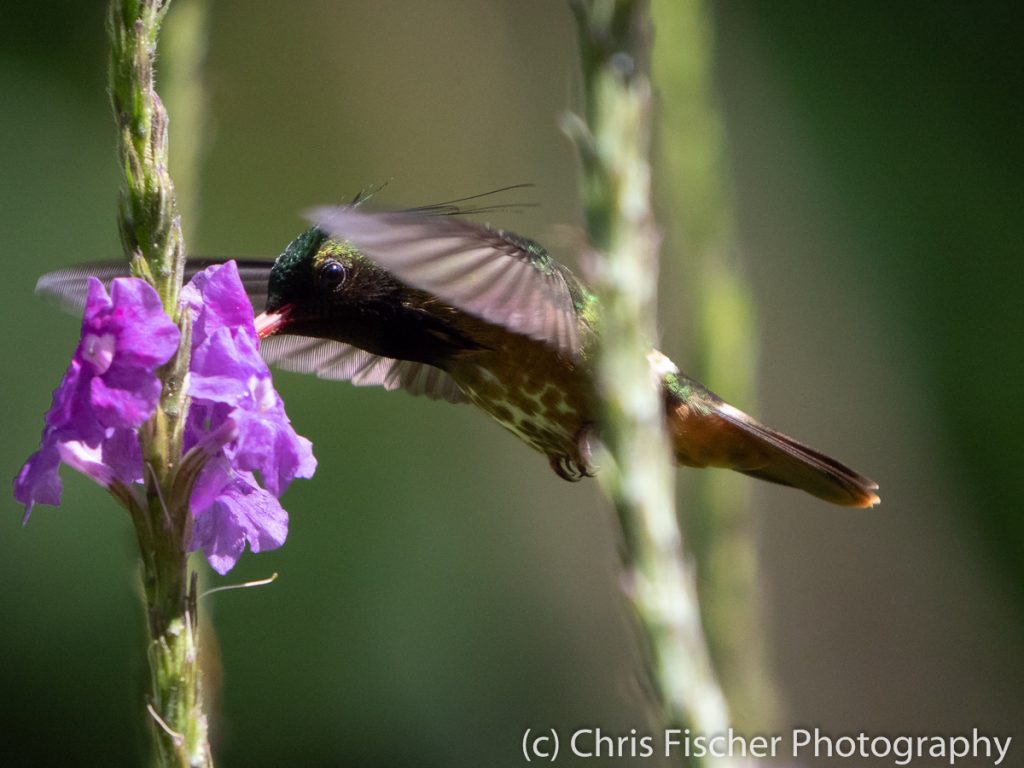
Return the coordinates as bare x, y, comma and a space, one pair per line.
536, 394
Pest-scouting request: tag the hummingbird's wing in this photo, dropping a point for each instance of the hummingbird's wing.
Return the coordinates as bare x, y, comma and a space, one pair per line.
68, 287
343, 362
501, 277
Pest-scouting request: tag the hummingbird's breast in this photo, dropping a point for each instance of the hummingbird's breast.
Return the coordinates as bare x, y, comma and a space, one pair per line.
532, 391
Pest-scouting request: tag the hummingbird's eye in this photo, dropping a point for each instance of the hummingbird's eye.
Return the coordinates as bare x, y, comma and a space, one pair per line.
332, 274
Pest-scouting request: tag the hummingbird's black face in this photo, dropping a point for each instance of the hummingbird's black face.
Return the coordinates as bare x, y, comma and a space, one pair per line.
317, 279
297, 282
328, 289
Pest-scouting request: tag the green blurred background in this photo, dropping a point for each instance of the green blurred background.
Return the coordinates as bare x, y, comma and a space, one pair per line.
441, 590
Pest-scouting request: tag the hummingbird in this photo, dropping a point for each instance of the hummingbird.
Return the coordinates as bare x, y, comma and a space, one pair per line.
455, 310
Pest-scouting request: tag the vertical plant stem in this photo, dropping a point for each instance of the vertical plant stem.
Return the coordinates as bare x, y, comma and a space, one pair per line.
717, 515
151, 236
614, 146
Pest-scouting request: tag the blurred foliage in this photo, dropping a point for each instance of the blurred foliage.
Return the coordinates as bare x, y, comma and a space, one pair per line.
698, 217
917, 118
441, 590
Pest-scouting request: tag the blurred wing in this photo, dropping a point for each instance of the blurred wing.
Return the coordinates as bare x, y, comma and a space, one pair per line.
67, 287
503, 278
324, 358
342, 362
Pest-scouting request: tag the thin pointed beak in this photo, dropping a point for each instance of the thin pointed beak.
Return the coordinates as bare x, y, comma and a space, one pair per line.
269, 323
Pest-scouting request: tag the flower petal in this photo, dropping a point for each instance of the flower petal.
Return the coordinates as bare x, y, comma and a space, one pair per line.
241, 513
223, 365
146, 336
218, 300
87, 460
38, 481
109, 389
122, 398
230, 381
123, 455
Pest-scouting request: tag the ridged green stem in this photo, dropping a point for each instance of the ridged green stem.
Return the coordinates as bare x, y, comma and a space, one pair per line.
151, 236
614, 144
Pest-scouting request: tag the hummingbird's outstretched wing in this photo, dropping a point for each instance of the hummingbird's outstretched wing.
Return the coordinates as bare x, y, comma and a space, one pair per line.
343, 362
503, 278
68, 287
327, 359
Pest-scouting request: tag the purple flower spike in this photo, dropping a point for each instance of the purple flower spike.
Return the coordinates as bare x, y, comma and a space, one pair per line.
236, 421
108, 391
230, 381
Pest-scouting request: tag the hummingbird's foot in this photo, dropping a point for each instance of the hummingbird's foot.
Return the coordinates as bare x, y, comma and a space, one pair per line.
567, 469
575, 469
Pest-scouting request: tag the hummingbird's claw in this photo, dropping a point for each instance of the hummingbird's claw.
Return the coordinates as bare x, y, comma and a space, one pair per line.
575, 469
566, 468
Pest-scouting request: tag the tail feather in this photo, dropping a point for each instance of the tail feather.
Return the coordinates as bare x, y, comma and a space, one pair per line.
710, 432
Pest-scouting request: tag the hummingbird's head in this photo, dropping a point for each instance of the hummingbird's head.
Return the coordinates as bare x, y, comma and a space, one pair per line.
289, 282
322, 287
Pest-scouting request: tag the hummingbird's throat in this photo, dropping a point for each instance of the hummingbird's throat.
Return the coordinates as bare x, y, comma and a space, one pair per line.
269, 323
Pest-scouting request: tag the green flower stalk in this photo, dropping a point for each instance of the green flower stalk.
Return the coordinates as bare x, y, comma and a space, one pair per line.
614, 143
152, 241
150, 226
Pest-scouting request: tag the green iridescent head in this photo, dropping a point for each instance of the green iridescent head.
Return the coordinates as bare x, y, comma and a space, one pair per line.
292, 267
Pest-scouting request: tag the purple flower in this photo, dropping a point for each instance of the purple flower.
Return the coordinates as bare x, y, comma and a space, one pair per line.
236, 421
110, 388
230, 384
231, 509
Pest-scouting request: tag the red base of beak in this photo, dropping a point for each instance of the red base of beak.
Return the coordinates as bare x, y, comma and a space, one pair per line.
269, 323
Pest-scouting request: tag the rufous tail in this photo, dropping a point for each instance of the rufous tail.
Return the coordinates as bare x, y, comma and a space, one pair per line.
708, 432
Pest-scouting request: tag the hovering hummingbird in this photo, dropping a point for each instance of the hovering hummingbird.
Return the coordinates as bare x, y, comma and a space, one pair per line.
454, 310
